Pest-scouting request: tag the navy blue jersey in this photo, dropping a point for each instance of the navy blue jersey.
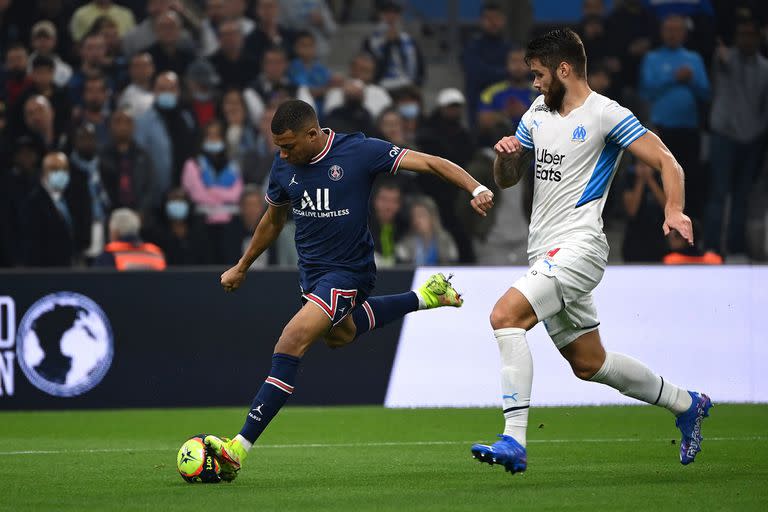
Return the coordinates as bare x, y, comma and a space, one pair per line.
329, 199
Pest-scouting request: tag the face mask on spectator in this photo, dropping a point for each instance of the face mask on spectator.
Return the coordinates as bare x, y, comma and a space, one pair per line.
177, 209
213, 146
166, 100
409, 110
58, 180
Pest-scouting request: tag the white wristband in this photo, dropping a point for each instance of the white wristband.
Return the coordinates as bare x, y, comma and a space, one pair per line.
479, 190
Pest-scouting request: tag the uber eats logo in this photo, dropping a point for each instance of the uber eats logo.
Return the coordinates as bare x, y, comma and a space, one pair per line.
548, 165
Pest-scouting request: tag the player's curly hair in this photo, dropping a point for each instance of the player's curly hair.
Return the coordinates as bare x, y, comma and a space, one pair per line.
556, 46
293, 115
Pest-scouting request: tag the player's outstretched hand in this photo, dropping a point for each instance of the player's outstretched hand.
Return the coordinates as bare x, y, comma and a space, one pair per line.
233, 278
681, 223
507, 146
483, 202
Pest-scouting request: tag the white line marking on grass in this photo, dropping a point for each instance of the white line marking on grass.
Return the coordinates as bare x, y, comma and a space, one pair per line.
378, 444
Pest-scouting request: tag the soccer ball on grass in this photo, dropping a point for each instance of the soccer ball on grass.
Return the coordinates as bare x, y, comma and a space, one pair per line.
196, 462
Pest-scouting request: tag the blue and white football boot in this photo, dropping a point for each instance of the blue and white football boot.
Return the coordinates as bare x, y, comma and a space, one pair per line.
506, 452
689, 424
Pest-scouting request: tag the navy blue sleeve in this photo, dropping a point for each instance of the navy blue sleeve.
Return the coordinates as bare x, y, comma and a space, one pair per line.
382, 155
276, 194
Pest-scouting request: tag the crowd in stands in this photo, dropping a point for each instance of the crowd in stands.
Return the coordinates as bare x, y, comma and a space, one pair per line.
136, 133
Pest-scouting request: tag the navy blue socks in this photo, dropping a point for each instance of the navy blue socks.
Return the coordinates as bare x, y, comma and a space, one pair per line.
379, 311
272, 395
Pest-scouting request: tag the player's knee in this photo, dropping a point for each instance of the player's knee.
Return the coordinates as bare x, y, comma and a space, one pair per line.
585, 368
501, 318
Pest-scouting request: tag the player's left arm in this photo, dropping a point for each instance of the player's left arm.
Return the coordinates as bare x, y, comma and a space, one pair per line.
650, 149
482, 200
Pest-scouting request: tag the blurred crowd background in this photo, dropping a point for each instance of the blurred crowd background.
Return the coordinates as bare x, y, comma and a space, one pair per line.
135, 133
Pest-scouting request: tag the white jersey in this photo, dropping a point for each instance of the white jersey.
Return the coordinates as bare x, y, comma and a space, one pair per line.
576, 157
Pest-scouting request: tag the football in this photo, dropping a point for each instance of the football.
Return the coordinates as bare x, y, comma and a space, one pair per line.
196, 463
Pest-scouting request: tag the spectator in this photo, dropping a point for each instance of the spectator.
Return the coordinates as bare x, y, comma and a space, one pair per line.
137, 97
143, 35
409, 104
96, 108
426, 242
168, 133
738, 120
42, 84
169, 53
240, 229
507, 101
268, 32
83, 19
398, 57
93, 62
218, 11
384, 223
126, 251
181, 236
682, 253
239, 134
443, 134
273, 82
126, 169
16, 184
351, 116
630, 28
257, 164
39, 123
202, 81
485, 57
234, 67
675, 82
307, 70
14, 75
44, 38
375, 98
597, 44
55, 226
115, 60
58, 12
85, 168
389, 126
313, 16
9, 26
213, 183
600, 80
644, 201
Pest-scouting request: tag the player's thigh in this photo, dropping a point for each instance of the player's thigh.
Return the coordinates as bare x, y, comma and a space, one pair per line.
306, 326
532, 298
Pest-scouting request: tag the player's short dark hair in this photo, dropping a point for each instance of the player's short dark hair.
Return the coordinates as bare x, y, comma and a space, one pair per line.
43, 61
556, 46
293, 115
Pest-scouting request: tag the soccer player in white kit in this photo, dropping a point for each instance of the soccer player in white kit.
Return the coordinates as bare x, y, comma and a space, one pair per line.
576, 138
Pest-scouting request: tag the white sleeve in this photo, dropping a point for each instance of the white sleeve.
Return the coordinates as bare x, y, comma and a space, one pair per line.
523, 133
620, 125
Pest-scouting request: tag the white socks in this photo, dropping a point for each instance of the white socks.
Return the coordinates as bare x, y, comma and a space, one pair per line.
634, 379
244, 442
516, 380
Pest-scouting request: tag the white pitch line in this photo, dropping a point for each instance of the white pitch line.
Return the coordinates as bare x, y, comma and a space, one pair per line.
379, 444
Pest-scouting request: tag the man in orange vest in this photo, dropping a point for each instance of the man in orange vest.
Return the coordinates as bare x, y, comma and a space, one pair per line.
126, 251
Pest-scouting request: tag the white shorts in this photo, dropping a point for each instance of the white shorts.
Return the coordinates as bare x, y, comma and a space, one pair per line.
559, 287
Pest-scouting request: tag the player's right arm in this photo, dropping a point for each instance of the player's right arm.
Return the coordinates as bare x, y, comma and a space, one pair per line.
512, 161
267, 231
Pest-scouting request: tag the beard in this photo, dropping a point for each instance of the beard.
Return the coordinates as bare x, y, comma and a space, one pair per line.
554, 96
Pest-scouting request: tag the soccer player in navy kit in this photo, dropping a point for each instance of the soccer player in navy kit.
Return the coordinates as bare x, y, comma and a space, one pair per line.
325, 179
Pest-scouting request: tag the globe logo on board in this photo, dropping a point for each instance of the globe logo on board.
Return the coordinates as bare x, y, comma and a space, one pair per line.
64, 344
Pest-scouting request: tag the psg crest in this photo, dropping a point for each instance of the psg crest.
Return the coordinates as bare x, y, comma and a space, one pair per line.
335, 172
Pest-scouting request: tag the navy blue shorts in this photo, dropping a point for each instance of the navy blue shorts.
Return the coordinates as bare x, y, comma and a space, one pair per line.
338, 293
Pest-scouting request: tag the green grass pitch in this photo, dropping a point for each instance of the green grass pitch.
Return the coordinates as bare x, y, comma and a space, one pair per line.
370, 458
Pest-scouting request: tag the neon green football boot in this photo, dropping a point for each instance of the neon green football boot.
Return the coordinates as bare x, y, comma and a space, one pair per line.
230, 454
438, 292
